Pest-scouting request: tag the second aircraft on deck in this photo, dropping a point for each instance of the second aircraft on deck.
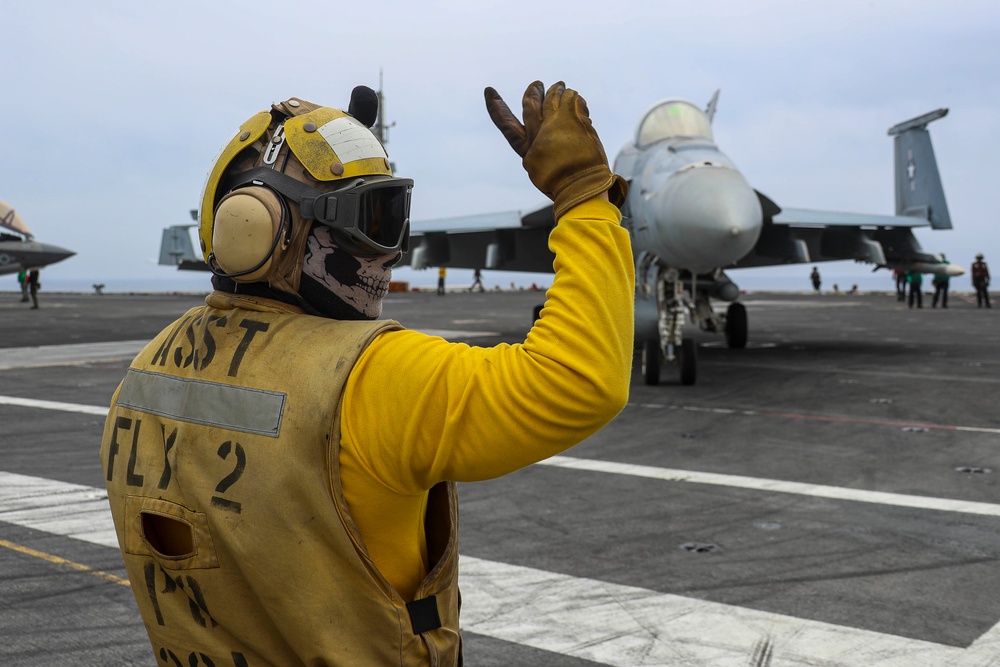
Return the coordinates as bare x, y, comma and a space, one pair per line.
19, 251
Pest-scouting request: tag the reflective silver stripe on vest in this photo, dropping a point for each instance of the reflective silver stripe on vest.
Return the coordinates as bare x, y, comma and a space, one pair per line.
201, 402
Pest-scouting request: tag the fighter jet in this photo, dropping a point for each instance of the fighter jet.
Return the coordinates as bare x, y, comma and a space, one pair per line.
693, 217
19, 250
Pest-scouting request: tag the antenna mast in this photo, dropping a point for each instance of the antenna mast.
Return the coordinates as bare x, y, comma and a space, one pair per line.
381, 129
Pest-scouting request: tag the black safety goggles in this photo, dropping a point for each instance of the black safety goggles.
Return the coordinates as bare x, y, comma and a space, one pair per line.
367, 217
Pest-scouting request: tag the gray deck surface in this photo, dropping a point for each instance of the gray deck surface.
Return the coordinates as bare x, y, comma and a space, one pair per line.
787, 558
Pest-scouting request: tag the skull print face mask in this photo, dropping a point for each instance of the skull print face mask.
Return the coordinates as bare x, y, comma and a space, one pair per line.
340, 285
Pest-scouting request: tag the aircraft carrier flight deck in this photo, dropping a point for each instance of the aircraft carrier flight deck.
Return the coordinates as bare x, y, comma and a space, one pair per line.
827, 496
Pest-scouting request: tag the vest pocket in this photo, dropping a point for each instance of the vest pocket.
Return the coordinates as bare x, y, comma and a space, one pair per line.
175, 536
166, 536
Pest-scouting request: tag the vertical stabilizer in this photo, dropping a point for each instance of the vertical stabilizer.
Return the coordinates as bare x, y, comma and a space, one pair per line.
176, 247
918, 184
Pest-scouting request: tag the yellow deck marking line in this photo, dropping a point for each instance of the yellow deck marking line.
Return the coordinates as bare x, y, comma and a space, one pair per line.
59, 560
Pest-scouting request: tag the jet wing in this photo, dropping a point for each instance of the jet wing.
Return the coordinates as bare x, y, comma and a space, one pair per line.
808, 217
509, 241
801, 236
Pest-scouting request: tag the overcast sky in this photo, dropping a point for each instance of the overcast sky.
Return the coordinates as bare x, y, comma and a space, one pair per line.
113, 111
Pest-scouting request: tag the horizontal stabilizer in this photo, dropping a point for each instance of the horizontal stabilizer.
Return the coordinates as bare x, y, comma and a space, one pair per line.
918, 123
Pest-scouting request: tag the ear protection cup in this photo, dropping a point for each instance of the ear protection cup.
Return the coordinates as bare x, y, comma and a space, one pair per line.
247, 237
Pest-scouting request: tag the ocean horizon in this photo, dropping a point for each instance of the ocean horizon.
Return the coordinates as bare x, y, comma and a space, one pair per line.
749, 280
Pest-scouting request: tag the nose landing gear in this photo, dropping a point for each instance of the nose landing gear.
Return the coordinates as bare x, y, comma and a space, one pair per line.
685, 357
673, 303
736, 326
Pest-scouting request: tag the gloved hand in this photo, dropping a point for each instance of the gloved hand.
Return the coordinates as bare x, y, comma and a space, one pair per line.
561, 151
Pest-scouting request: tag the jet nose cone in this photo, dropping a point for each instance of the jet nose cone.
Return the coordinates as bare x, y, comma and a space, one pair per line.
56, 253
714, 217
43, 254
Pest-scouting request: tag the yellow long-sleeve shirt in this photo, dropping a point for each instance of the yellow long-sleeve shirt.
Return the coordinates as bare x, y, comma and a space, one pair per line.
418, 410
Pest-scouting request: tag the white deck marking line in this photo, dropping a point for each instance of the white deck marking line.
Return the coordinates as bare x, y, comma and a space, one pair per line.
819, 418
69, 355
125, 350
591, 619
673, 475
812, 369
54, 405
629, 626
60, 508
776, 486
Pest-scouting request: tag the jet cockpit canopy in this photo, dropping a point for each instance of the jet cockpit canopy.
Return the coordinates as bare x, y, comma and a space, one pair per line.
10, 220
672, 119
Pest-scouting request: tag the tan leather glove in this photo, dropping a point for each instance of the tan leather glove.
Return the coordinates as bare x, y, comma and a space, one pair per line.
561, 151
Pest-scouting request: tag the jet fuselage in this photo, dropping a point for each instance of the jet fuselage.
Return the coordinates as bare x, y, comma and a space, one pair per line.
16, 255
688, 204
19, 251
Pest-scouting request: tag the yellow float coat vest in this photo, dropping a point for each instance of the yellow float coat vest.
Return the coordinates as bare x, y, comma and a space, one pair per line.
221, 458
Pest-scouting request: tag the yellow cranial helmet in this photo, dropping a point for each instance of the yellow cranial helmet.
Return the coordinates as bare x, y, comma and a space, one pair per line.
291, 166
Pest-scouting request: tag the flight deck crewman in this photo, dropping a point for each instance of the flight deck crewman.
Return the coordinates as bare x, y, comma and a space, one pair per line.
940, 283
281, 463
981, 281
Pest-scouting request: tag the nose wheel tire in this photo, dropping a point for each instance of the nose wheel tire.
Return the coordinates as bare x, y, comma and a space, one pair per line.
651, 362
687, 360
736, 326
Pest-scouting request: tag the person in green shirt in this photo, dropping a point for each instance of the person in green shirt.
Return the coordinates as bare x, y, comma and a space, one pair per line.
915, 279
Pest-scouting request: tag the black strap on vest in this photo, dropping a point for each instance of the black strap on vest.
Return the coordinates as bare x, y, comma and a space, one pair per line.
424, 614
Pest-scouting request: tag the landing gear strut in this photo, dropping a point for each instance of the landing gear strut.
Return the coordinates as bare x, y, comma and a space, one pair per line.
672, 347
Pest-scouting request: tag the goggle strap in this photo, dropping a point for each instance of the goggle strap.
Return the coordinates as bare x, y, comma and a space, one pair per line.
284, 184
